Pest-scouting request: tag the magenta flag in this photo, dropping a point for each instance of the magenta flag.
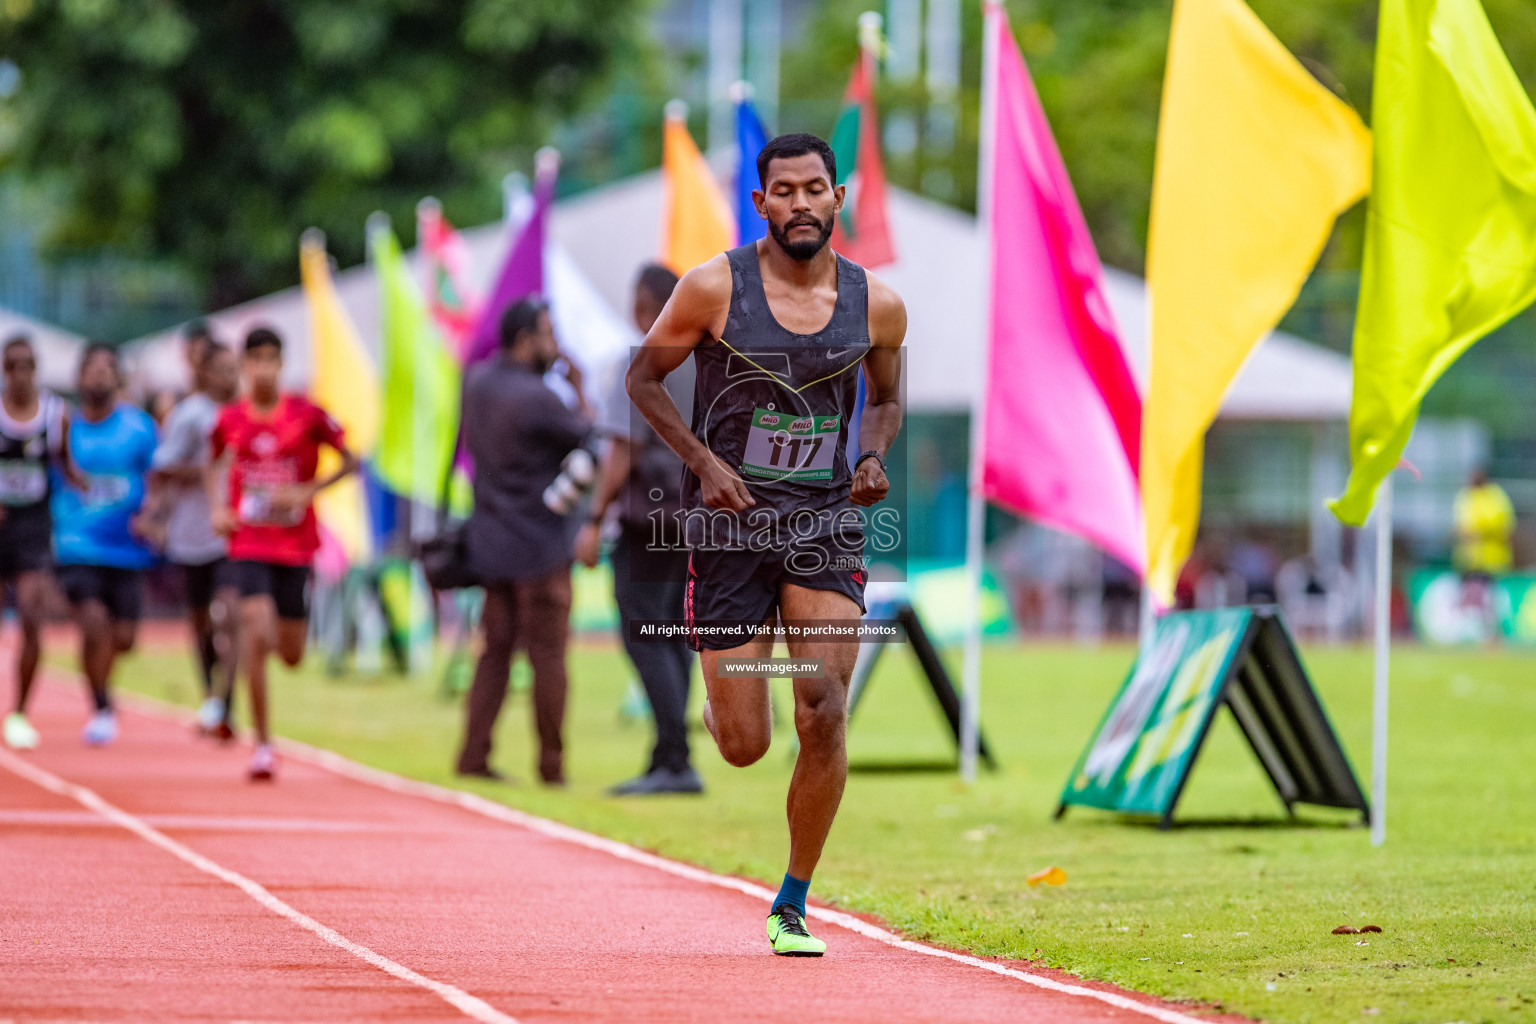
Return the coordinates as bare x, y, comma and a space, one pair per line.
521, 275
1063, 416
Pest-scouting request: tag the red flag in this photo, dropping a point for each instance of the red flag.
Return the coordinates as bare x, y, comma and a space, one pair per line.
862, 232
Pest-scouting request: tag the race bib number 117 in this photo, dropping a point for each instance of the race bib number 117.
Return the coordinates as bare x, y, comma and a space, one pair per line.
785, 447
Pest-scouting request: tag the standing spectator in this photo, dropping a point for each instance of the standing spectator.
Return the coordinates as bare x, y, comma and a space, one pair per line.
33, 434
1485, 522
101, 560
262, 487
643, 474
518, 433
179, 495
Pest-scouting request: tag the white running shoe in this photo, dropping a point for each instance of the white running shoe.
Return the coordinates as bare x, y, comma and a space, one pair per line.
19, 734
101, 729
210, 714
263, 764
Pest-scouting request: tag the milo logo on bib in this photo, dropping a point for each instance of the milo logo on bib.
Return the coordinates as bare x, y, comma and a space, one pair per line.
781, 447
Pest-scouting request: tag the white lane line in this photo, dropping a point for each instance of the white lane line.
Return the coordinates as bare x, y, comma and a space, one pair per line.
206, 823
339, 765
460, 1000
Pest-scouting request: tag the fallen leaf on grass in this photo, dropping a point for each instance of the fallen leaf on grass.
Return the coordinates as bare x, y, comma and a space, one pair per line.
1345, 929
1051, 876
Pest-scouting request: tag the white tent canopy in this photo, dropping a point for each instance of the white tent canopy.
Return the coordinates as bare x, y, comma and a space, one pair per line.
58, 350
599, 240
592, 332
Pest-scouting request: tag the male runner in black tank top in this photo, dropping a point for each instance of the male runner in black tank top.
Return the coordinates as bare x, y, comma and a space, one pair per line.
779, 331
33, 443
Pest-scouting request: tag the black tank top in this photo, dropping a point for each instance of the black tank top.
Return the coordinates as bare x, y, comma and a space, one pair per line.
775, 405
27, 451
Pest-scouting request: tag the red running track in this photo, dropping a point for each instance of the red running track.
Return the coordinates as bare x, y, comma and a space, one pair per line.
149, 882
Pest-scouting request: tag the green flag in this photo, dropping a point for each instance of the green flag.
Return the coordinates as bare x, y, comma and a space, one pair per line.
420, 380
1450, 250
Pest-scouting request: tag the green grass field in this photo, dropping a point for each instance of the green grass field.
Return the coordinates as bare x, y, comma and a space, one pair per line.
1236, 914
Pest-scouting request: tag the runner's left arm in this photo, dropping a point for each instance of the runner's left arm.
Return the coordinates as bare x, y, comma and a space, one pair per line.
881, 419
72, 473
349, 464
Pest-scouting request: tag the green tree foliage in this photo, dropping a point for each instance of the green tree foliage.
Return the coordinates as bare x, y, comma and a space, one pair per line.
215, 131
1098, 65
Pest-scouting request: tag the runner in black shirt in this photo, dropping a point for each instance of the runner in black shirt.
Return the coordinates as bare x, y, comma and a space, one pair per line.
33, 430
779, 331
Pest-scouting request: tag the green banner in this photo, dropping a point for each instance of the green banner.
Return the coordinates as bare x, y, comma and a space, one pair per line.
1142, 752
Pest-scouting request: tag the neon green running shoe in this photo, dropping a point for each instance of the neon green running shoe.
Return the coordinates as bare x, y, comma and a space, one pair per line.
787, 934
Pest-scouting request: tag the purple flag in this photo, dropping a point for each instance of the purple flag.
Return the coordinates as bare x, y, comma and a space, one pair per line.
523, 272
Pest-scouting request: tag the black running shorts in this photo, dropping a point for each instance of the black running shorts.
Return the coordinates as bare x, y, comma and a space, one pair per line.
201, 582
120, 590
730, 592
26, 541
286, 585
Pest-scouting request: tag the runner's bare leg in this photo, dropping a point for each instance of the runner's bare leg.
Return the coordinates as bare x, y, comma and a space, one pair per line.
31, 595
737, 712
821, 721
258, 618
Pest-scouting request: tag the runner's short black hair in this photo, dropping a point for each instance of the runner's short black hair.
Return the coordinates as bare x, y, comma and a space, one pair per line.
263, 337
657, 282
18, 341
522, 315
197, 329
795, 144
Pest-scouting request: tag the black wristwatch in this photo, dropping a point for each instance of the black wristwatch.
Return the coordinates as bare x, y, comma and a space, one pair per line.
871, 454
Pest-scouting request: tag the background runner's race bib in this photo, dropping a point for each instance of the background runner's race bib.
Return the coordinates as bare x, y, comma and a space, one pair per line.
256, 509
22, 483
106, 489
781, 446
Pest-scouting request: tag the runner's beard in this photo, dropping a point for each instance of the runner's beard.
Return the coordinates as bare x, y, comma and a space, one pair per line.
801, 251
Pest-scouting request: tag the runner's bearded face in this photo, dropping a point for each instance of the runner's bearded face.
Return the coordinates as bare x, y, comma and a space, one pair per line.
801, 204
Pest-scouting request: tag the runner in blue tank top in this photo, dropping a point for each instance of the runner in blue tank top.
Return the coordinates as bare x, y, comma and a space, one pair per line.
96, 530
779, 331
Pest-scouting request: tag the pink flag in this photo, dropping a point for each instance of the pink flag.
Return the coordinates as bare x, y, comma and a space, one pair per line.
1063, 417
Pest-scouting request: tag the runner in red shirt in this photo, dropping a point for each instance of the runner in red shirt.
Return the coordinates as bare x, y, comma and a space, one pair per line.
262, 484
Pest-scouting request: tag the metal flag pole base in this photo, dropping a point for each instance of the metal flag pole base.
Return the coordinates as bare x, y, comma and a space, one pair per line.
1383, 639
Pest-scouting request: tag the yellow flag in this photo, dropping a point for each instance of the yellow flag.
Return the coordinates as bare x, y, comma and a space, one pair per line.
697, 225
345, 383
1255, 159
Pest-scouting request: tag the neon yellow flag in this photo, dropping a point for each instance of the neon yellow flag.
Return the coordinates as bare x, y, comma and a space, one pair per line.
421, 379
1450, 247
697, 224
345, 384
1254, 160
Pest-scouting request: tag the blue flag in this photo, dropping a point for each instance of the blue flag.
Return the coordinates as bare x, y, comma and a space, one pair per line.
750, 140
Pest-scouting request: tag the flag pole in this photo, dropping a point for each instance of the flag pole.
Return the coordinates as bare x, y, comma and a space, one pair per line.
1383, 664
976, 510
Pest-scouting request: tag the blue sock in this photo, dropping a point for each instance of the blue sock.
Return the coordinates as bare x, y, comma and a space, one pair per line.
793, 892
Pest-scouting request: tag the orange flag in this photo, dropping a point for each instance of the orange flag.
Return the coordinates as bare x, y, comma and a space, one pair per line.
697, 224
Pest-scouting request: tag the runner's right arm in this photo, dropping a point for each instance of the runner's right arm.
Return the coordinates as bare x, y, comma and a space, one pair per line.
697, 311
